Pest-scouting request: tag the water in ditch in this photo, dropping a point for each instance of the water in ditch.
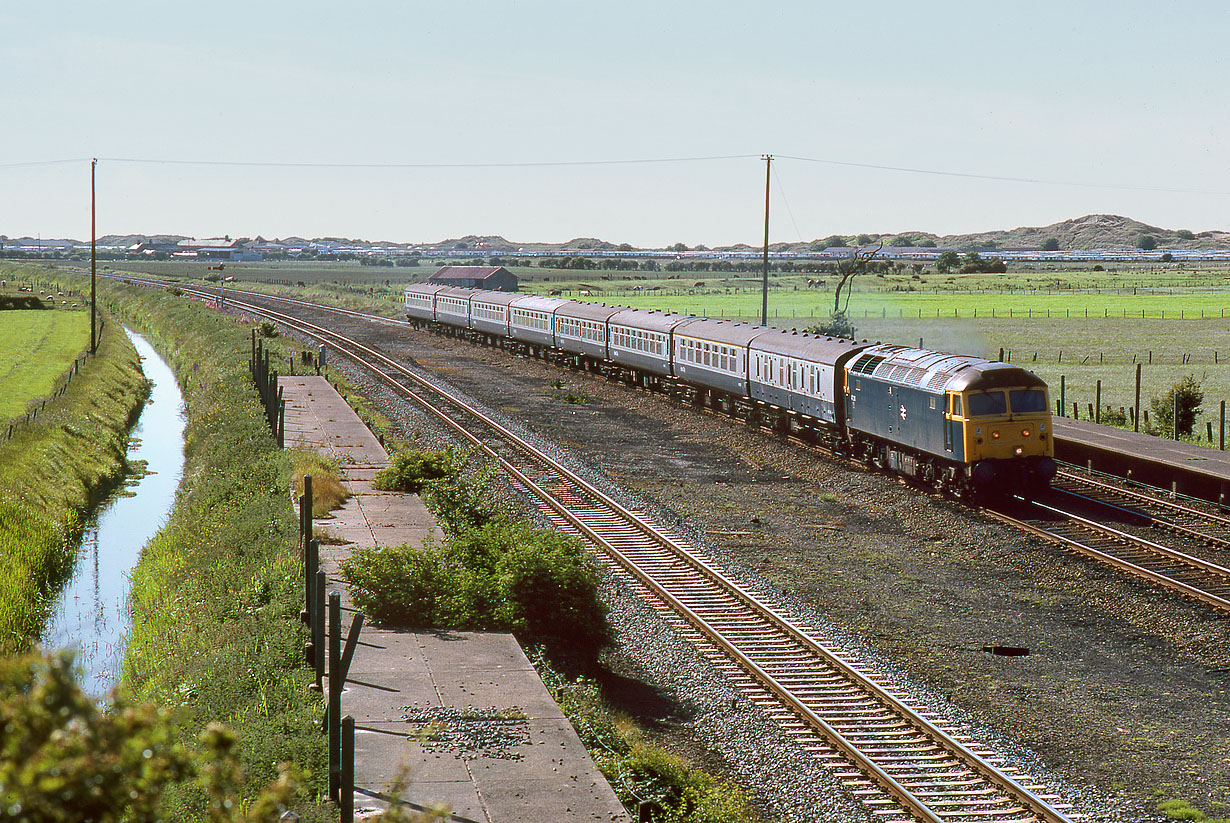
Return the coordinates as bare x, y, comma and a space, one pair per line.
92, 614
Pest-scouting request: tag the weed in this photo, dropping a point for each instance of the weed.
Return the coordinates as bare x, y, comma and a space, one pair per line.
636, 770
328, 493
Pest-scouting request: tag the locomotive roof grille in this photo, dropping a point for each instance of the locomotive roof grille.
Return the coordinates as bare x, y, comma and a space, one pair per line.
866, 364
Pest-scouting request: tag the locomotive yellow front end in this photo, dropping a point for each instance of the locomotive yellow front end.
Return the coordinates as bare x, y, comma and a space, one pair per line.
1006, 422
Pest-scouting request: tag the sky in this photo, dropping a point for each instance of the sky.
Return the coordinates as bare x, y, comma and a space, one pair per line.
417, 122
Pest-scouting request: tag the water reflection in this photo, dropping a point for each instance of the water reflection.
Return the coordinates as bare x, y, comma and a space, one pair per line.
92, 614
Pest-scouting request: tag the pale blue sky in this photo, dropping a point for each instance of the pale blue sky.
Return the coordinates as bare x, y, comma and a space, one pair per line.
1123, 104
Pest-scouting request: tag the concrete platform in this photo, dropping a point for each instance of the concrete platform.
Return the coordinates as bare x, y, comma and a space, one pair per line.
455, 718
1191, 470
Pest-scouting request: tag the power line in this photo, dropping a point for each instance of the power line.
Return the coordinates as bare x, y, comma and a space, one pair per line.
30, 163
516, 164
998, 178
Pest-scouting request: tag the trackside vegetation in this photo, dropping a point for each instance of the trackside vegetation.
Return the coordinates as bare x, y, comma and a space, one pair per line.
216, 640
52, 471
491, 572
638, 771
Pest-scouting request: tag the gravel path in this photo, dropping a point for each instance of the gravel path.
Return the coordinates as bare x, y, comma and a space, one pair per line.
1125, 693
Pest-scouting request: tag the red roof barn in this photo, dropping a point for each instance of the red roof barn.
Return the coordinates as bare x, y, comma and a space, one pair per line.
496, 278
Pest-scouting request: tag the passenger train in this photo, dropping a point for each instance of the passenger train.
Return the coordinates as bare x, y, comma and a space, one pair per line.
961, 424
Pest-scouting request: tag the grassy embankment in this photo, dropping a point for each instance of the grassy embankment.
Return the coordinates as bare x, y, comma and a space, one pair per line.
56, 467
216, 595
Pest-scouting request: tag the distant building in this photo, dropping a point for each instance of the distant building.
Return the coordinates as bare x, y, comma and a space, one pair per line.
217, 248
495, 278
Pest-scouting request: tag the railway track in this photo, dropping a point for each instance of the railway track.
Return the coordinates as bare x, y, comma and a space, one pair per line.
1182, 572
1192, 577
901, 764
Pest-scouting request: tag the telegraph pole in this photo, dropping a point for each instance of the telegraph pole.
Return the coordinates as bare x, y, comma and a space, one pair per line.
93, 261
764, 295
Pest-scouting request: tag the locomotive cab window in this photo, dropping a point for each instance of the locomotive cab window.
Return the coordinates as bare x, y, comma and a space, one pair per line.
1028, 400
982, 404
956, 404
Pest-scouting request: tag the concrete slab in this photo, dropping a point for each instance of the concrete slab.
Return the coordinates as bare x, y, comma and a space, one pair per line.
452, 717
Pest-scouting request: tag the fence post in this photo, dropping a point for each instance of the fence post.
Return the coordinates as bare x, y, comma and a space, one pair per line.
347, 788
335, 695
1063, 394
1174, 422
1097, 415
1136, 417
1221, 438
318, 626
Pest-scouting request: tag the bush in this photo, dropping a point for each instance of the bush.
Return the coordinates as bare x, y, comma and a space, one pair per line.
460, 501
266, 328
838, 325
62, 753
1189, 395
501, 576
409, 471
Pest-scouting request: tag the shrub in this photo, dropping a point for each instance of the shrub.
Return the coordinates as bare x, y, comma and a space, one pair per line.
397, 585
838, 325
462, 501
266, 328
1186, 395
501, 576
62, 753
409, 471
638, 771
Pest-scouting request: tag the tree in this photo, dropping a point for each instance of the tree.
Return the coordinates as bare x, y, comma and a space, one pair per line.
1184, 234
835, 241
901, 241
1146, 242
1167, 258
1050, 244
679, 247
862, 240
847, 270
1186, 396
947, 261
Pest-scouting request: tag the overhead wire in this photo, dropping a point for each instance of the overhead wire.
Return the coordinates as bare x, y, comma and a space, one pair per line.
999, 178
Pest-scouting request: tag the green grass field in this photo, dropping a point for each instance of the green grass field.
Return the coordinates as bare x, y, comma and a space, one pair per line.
36, 348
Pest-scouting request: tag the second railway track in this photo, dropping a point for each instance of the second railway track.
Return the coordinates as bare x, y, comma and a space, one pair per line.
898, 762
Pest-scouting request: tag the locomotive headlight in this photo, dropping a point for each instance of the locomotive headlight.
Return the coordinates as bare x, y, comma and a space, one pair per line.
1024, 432
995, 435
1019, 451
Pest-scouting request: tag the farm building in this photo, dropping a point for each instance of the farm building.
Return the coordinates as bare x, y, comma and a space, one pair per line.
495, 278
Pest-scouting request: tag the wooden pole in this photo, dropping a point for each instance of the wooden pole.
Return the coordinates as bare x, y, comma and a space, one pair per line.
1097, 414
764, 292
93, 259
